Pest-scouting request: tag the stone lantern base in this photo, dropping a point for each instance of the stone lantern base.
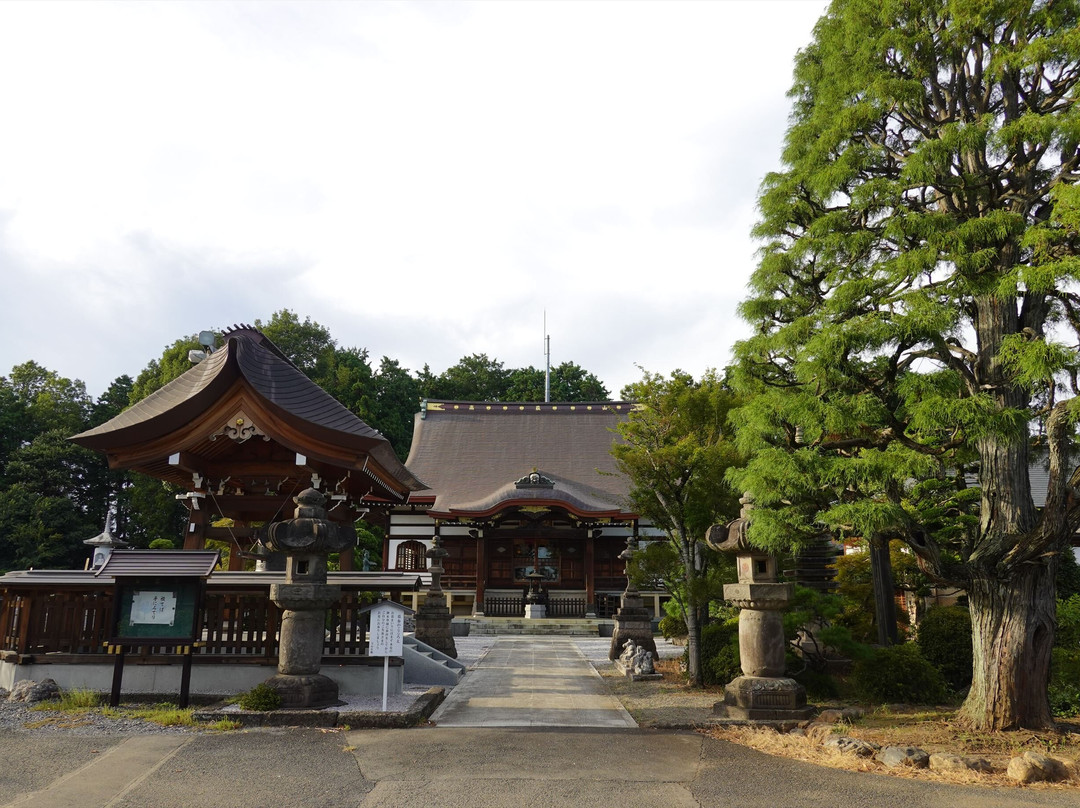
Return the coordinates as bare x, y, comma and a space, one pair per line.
764, 698
305, 691
632, 622
433, 625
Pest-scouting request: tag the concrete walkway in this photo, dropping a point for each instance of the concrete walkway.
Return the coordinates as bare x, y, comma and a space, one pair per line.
533, 682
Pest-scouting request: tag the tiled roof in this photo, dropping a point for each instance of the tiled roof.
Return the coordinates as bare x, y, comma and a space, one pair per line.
472, 453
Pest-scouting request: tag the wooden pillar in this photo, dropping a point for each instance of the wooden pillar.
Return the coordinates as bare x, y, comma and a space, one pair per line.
387, 564
481, 572
590, 571
195, 537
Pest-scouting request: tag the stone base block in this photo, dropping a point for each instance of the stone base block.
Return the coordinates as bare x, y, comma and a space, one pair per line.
636, 677
535, 611
764, 698
632, 624
433, 627
300, 691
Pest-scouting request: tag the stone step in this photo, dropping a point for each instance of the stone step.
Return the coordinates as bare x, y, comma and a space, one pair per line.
494, 626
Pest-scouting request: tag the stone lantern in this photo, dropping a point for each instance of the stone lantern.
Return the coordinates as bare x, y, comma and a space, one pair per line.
434, 622
305, 540
762, 692
632, 620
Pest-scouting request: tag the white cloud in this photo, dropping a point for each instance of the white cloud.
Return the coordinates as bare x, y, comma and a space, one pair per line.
425, 179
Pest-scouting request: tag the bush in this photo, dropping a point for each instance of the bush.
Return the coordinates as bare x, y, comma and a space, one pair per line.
672, 626
898, 673
1067, 635
262, 697
944, 641
720, 652
1064, 689
162, 544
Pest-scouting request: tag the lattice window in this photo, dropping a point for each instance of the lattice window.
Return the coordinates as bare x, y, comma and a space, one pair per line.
410, 556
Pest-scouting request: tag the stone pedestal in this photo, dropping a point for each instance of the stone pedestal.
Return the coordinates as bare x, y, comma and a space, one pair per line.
535, 611
632, 622
433, 627
764, 698
303, 629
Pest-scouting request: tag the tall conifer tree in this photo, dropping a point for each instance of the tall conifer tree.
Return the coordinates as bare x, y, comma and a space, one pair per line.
916, 310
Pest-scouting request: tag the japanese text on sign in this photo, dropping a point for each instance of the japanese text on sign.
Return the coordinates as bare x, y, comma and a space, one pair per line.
156, 608
386, 629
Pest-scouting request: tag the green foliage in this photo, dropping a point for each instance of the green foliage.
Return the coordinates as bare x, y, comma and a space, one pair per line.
815, 634
914, 304
719, 652
1068, 575
944, 640
898, 673
1067, 635
1064, 691
161, 544
262, 697
672, 626
675, 451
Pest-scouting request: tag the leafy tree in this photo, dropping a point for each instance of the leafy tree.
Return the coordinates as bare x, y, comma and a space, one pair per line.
473, 378
675, 451
396, 399
307, 344
569, 382
53, 497
913, 302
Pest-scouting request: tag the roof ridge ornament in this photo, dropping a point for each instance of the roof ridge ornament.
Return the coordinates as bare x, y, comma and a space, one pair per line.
534, 479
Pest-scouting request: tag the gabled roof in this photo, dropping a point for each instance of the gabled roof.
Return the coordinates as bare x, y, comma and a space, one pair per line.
477, 456
247, 375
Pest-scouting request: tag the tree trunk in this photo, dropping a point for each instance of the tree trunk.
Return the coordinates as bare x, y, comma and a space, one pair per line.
1012, 623
693, 647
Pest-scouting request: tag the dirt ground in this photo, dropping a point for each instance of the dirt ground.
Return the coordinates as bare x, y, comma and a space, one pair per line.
671, 703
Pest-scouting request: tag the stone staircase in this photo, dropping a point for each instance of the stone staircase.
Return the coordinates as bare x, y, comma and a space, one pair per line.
496, 626
425, 665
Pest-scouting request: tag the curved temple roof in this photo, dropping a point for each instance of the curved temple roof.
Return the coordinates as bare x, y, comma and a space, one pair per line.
250, 369
477, 458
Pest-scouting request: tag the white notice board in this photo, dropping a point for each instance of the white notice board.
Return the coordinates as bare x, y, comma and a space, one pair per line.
386, 629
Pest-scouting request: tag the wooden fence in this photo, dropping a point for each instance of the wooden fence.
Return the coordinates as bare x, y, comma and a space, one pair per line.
236, 625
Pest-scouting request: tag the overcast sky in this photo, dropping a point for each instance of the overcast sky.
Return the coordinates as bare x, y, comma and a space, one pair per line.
425, 179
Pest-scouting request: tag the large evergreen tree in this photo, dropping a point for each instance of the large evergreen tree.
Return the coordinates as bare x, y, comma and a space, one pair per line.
916, 308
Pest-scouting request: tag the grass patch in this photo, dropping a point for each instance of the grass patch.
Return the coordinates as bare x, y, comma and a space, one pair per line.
167, 715
71, 701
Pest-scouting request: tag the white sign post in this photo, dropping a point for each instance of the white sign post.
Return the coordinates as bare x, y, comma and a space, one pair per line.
386, 628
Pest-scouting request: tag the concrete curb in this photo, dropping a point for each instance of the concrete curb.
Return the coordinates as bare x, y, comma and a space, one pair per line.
418, 713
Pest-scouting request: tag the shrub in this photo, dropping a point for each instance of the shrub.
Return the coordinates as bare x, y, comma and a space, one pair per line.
944, 641
1068, 624
898, 673
1064, 689
720, 652
672, 626
162, 544
262, 697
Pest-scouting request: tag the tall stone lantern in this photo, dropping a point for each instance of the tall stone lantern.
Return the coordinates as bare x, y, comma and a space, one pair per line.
434, 623
762, 692
305, 540
632, 620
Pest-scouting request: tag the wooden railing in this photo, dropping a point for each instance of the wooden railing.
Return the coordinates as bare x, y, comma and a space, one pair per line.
237, 625
501, 606
566, 607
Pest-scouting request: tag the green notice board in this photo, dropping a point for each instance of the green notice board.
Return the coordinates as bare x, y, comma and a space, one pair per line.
157, 609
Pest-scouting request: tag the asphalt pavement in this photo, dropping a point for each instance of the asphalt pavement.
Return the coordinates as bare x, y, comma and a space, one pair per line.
535, 731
